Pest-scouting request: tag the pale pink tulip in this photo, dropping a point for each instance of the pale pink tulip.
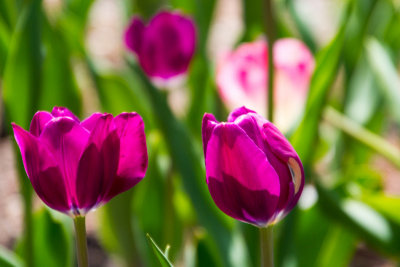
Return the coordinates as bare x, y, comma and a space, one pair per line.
242, 78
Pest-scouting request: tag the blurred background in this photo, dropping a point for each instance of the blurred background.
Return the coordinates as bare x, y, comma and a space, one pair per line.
71, 53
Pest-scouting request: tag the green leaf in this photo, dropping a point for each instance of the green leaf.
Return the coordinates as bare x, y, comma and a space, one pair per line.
9, 259
58, 85
330, 245
8, 13
163, 259
327, 64
253, 19
361, 220
304, 31
387, 205
337, 249
118, 219
5, 38
356, 32
147, 8
386, 74
362, 135
52, 240
122, 93
363, 98
22, 71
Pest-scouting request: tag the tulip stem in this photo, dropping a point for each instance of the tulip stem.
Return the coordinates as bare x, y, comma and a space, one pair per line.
267, 246
81, 244
269, 24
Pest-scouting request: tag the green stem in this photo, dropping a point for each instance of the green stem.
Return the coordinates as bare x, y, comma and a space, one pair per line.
26, 189
81, 244
168, 207
361, 134
267, 246
269, 21
28, 217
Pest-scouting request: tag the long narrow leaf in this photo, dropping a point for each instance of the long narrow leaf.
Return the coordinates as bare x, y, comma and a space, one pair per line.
386, 74
162, 257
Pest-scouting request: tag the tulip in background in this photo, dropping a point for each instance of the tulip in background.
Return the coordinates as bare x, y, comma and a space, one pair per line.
165, 46
76, 166
242, 78
253, 173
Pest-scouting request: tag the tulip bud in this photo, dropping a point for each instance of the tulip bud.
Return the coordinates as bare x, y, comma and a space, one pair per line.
253, 173
165, 46
76, 166
242, 78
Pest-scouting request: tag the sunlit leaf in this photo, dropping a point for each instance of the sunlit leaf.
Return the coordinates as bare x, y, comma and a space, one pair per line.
9, 259
23, 67
163, 259
386, 74
52, 240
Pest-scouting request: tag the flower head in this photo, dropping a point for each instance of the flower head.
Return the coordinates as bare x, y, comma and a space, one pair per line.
253, 173
165, 46
242, 78
75, 166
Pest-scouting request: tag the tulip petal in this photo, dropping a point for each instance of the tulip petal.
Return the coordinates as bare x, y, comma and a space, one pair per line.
89, 180
39, 120
90, 122
66, 139
133, 153
64, 112
236, 176
103, 154
283, 150
168, 45
208, 125
252, 124
42, 170
110, 153
239, 112
134, 35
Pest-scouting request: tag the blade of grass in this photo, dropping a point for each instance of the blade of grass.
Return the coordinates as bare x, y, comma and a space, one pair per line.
362, 135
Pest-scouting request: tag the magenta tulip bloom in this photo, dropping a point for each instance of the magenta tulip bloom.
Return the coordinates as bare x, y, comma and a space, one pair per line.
242, 78
76, 166
165, 46
253, 173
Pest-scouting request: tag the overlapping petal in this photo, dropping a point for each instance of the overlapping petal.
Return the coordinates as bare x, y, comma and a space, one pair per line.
64, 112
102, 153
133, 158
208, 125
283, 150
134, 35
39, 121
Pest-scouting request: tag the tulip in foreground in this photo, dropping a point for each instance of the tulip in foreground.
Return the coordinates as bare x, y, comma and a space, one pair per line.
77, 166
242, 78
165, 46
253, 173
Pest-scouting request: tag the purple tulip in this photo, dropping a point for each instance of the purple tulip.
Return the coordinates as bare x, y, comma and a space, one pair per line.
165, 46
253, 173
76, 166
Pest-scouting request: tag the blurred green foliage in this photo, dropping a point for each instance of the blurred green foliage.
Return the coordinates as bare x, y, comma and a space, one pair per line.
354, 99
